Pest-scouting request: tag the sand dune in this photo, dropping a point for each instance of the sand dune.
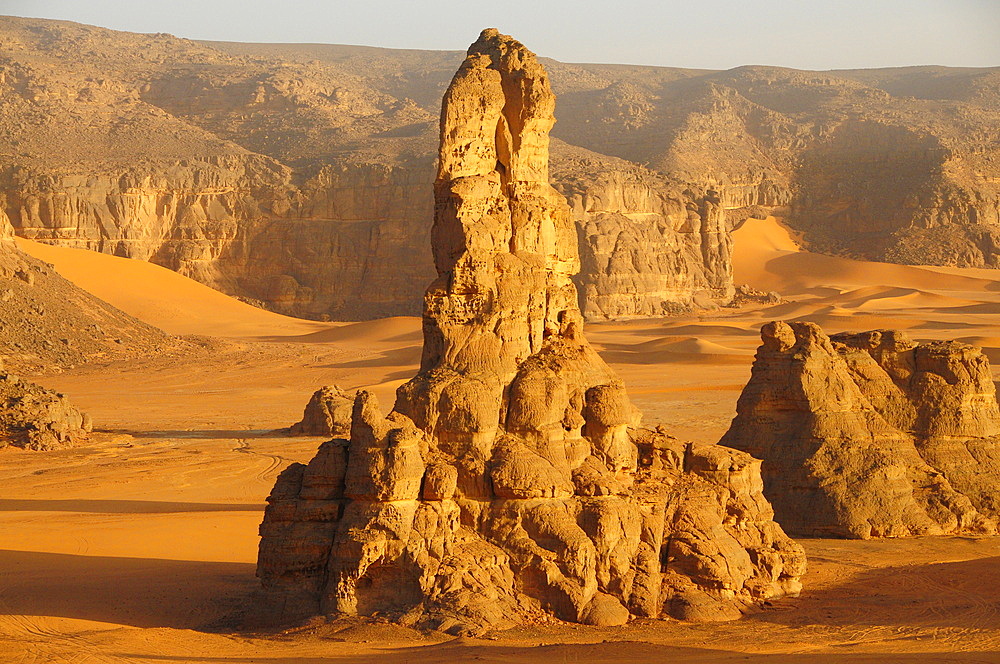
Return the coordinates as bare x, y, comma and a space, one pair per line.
766, 257
164, 298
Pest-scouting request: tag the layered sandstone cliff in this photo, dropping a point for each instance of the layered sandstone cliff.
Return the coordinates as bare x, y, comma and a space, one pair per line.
648, 245
872, 435
510, 482
298, 176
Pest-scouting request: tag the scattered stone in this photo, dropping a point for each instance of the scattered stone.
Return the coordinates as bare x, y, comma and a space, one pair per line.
746, 295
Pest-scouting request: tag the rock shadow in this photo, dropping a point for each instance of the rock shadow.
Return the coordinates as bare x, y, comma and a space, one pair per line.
608, 652
199, 434
139, 592
960, 595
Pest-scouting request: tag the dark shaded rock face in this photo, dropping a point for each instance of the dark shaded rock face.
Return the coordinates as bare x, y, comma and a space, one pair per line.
510, 480
870, 434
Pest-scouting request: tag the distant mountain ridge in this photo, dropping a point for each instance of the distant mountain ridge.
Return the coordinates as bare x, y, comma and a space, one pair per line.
299, 175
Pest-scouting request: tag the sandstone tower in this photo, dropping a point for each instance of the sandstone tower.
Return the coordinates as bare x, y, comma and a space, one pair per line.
510, 480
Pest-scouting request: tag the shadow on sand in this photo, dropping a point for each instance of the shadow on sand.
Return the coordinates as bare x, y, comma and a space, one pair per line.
121, 506
202, 434
960, 595
609, 652
141, 592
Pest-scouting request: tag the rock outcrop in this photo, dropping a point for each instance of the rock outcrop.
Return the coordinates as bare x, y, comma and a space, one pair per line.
34, 418
511, 480
328, 413
872, 435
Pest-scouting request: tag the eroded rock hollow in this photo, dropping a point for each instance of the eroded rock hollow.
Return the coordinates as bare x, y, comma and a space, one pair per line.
511, 481
870, 434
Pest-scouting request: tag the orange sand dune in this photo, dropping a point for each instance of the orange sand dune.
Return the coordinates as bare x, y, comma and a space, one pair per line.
164, 298
766, 257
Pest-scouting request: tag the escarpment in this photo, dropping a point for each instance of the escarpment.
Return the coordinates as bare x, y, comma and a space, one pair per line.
511, 481
300, 176
649, 245
871, 434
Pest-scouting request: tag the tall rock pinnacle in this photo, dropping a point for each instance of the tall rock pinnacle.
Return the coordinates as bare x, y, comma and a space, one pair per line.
509, 481
503, 343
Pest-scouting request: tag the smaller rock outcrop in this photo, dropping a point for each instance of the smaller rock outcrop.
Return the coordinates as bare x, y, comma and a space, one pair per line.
870, 434
328, 413
34, 418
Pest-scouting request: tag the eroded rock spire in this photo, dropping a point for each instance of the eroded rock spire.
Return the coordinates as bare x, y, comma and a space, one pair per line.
510, 479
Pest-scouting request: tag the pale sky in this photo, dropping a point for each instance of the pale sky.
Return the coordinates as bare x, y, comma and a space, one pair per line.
719, 34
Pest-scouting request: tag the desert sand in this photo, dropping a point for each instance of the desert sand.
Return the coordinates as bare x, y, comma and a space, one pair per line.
140, 547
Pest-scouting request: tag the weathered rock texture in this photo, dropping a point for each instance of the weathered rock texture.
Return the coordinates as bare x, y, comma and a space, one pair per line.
648, 245
872, 435
34, 418
328, 413
510, 479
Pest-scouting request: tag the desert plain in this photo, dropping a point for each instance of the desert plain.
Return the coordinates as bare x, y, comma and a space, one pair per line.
141, 545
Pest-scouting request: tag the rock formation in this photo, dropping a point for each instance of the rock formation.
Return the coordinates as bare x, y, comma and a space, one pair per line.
510, 481
872, 435
648, 246
328, 413
34, 418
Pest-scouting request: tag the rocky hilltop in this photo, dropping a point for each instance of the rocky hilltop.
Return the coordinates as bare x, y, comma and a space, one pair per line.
870, 434
510, 481
300, 176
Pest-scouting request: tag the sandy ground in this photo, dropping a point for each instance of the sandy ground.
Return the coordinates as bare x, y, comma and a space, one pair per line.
141, 546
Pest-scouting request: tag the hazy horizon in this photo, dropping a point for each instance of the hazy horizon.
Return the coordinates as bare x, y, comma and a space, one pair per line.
847, 35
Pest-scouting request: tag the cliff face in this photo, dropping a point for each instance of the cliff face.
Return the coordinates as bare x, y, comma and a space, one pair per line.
871, 435
648, 245
296, 175
509, 482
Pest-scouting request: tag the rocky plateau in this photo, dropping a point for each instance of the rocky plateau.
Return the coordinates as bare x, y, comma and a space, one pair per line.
300, 177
